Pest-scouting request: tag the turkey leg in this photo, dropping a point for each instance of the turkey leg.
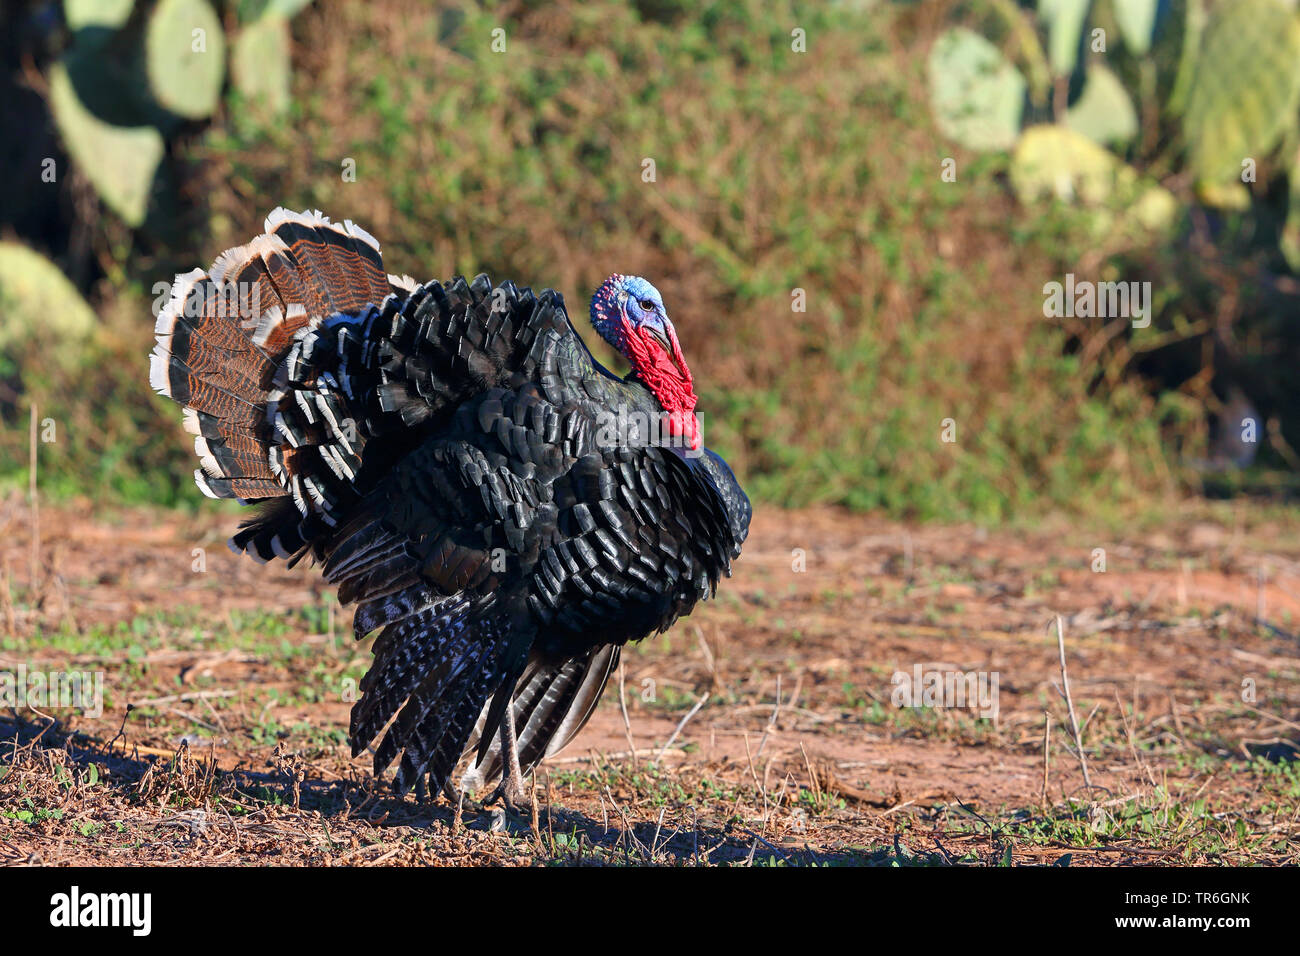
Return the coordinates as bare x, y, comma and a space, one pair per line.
511, 790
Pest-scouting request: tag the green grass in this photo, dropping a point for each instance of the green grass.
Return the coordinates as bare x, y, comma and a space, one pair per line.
1202, 829
319, 671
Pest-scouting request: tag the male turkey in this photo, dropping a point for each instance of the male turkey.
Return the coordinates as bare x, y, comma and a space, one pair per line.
506, 509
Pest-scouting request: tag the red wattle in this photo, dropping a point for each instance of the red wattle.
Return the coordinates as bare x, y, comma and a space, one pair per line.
684, 424
668, 378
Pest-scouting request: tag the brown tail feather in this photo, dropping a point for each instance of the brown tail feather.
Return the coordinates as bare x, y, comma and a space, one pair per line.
223, 335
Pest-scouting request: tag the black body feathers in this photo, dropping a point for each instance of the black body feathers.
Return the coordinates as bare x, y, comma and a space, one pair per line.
441, 449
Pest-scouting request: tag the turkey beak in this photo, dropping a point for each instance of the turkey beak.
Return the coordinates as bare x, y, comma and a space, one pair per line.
660, 335
666, 335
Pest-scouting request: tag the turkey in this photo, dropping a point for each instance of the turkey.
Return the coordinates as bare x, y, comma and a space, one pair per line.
505, 511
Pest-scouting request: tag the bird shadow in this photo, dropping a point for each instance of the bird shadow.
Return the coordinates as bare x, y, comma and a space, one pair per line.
556, 835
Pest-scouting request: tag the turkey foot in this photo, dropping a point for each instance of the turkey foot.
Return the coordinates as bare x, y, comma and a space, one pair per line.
511, 790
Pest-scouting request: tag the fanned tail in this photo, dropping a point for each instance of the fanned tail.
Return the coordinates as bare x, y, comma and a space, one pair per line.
225, 337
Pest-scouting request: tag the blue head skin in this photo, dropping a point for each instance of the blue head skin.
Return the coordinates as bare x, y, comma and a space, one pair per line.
629, 314
626, 304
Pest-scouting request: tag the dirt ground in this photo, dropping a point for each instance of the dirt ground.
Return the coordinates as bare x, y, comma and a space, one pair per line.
763, 729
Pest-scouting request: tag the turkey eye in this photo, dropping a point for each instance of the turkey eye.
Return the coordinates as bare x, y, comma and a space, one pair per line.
647, 305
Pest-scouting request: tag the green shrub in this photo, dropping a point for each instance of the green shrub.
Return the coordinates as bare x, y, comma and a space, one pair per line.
774, 171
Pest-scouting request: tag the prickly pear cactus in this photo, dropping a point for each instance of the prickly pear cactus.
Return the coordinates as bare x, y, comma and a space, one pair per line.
1137, 23
1290, 240
1053, 162
119, 161
977, 97
1104, 112
1246, 90
185, 57
1064, 19
285, 8
260, 63
37, 301
109, 14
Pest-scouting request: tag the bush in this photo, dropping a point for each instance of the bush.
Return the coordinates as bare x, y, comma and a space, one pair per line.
774, 171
